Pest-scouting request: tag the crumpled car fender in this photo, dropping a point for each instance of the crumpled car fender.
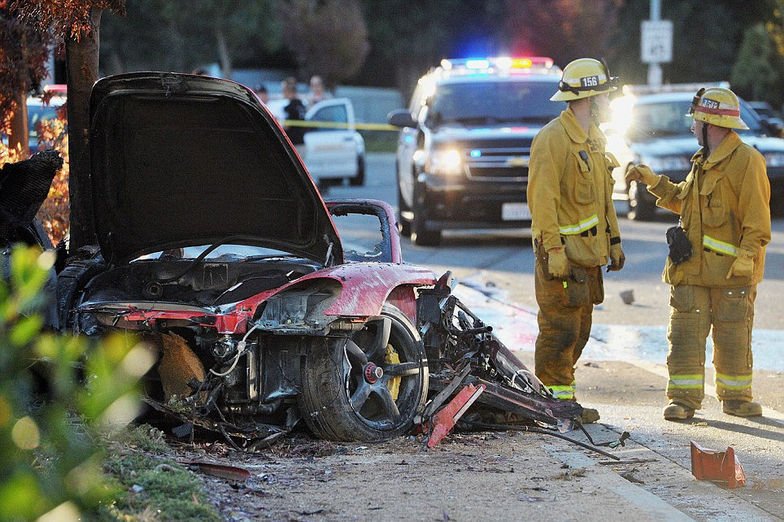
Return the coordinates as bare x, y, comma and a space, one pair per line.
364, 287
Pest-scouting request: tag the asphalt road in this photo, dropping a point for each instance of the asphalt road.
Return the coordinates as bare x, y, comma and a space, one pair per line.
622, 371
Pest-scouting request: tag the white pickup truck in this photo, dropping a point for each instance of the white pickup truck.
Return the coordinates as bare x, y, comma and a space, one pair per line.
331, 154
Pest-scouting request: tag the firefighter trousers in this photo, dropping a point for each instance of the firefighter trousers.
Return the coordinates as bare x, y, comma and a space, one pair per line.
727, 313
565, 308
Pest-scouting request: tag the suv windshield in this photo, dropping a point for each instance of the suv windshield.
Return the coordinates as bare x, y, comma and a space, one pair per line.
488, 102
652, 120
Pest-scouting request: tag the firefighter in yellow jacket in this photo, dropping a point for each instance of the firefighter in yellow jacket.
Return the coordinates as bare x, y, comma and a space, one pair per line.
574, 225
724, 209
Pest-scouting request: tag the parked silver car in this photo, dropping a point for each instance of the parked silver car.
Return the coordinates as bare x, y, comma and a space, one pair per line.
654, 129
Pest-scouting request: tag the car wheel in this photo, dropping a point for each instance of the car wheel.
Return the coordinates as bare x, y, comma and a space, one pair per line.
420, 234
366, 387
359, 179
403, 225
70, 281
639, 207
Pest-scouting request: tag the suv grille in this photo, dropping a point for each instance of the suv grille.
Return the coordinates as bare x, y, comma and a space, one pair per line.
499, 164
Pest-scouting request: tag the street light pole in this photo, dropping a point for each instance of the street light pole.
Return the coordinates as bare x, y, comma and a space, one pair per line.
654, 69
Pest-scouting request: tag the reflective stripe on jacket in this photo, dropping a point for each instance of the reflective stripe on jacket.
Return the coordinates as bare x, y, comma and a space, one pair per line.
563, 392
570, 191
724, 204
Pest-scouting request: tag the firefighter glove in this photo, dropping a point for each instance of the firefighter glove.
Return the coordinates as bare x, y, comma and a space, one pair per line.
743, 266
617, 258
641, 173
557, 264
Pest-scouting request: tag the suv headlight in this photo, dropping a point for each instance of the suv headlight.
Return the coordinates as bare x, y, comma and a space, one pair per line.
774, 159
668, 163
446, 162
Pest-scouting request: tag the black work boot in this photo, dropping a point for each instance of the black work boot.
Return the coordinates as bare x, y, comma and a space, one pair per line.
589, 416
741, 408
677, 411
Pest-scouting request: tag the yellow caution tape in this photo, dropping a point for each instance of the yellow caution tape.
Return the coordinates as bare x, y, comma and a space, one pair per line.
338, 125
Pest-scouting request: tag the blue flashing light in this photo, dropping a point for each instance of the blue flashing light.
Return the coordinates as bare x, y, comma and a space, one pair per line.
477, 64
476, 153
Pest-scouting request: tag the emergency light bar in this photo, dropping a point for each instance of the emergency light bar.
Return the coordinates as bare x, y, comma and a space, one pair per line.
500, 63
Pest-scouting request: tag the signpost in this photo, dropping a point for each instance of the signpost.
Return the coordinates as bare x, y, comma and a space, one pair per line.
656, 43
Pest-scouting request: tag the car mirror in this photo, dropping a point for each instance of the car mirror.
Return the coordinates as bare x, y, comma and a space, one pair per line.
401, 118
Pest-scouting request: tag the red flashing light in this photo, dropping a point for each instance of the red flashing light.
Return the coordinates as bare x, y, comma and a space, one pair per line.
56, 88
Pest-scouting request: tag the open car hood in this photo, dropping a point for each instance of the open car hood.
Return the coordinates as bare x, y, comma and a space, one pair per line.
181, 160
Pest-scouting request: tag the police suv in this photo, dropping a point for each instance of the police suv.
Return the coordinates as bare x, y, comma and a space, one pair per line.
464, 144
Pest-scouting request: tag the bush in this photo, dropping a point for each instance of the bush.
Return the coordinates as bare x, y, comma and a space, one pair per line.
49, 458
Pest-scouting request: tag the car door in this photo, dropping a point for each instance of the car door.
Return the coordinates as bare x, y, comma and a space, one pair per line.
367, 230
330, 144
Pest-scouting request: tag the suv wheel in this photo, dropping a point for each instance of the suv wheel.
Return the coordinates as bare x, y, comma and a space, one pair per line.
640, 209
420, 234
403, 225
367, 387
359, 179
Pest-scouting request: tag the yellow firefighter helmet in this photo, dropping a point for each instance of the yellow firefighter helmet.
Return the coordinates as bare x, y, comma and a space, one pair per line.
583, 78
718, 106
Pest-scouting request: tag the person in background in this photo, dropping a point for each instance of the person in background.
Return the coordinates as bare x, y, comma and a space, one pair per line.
262, 94
317, 92
574, 226
293, 111
724, 206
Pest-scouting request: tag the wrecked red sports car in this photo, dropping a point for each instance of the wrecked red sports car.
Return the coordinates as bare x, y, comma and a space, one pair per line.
215, 244
216, 247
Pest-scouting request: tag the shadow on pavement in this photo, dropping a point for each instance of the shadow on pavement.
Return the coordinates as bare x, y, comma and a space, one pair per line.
749, 430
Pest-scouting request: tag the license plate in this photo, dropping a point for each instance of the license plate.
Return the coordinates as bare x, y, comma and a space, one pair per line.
515, 212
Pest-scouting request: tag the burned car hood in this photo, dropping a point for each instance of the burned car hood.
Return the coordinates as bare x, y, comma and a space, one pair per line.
181, 160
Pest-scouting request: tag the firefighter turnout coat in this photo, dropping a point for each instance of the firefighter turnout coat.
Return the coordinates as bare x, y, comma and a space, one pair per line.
570, 191
725, 210
570, 197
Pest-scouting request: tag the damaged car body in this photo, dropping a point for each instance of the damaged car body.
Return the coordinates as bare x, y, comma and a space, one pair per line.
216, 248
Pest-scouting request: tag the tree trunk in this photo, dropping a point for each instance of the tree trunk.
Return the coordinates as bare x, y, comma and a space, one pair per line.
82, 63
20, 130
20, 126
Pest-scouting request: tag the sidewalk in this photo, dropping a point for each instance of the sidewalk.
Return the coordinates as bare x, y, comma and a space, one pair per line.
629, 392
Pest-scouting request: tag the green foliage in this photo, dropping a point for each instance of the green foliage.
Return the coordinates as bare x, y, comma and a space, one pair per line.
327, 37
757, 73
47, 448
140, 462
161, 35
706, 37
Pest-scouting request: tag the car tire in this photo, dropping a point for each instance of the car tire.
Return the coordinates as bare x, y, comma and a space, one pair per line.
640, 209
403, 225
359, 179
354, 390
420, 234
70, 281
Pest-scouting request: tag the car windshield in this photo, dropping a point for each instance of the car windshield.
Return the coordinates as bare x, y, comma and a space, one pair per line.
490, 102
655, 120
227, 251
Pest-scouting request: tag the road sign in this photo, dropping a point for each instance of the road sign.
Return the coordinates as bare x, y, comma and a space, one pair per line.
656, 41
